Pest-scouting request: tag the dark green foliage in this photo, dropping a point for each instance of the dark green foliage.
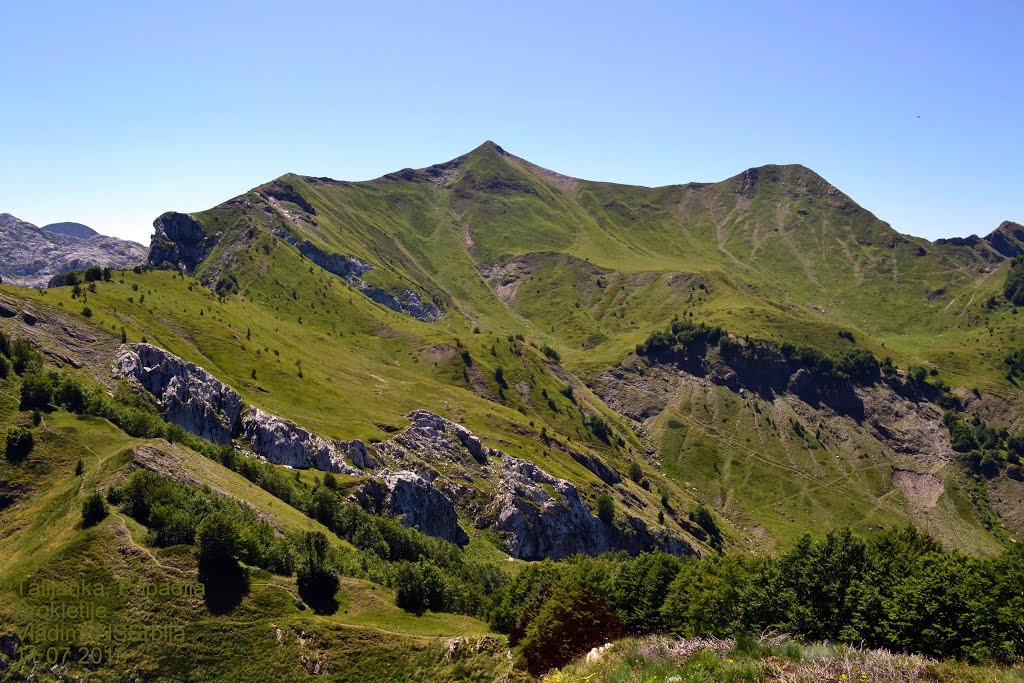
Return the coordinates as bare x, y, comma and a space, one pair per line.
685, 341
550, 353
1015, 365
985, 449
682, 337
499, 377
79, 468
24, 357
420, 586
316, 578
5, 345
107, 275
19, 444
639, 590
635, 473
574, 618
706, 597
807, 589
703, 518
1013, 288
94, 510
599, 427
847, 335
93, 273
227, 284
5, 367
605, 508
175, 513
36, 391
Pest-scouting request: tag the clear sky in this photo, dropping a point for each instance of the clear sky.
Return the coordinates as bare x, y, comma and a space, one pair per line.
113, 112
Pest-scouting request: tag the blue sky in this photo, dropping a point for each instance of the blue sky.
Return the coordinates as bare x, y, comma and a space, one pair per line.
113, 112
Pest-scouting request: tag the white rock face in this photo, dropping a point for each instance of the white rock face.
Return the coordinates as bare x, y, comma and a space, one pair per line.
187, 395
195, 400
283, 442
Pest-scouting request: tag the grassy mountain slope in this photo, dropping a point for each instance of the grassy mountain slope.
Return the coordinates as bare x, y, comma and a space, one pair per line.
588, 269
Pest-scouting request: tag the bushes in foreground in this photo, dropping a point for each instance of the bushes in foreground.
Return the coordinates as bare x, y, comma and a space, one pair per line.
899, 590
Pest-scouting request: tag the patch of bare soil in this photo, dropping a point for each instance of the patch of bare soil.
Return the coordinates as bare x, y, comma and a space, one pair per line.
62, 337
921, 489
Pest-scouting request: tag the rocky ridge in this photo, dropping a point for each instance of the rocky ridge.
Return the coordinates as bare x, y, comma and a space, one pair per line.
426, 475
31, 256
351, 269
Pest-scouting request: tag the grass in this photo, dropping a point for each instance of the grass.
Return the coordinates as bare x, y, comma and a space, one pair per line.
599, 266
42, 543
765, 660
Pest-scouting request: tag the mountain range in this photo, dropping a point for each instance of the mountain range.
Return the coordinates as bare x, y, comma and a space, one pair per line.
32, 256
522, 365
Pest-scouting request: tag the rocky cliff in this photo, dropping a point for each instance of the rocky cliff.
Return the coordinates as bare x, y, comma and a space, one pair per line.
427, 475
179, 241
32, 256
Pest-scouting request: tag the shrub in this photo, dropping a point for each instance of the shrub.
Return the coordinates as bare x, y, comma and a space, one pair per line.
94, 510
703, 518
419, 586
316, 579
217, 539
19, 443
573, 618
550, 353
36, 390
635, 473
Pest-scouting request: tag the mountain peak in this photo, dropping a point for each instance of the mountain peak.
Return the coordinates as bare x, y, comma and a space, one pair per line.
70, 229
489, 147
1007, 239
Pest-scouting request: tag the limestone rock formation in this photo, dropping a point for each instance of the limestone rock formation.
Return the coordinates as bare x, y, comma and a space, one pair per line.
195, 400
32, 256
415, 502
186, 394
351, 269
426, 468
180, 242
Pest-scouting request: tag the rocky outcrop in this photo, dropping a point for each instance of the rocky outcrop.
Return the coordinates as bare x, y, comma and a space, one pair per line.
1007, 239
407, 301
545, 517
428, 468
198, 402
180, 242
32, 257
283, 442
187, 395
415, 502
351, 269
537, 514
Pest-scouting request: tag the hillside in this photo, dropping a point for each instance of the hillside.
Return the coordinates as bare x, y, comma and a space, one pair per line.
33, 256
493, 364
